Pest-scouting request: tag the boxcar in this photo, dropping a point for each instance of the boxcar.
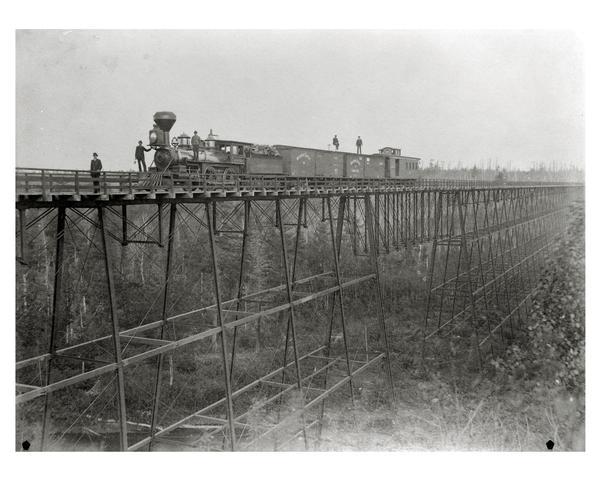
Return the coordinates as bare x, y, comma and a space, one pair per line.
354, 165
364, 166
311, 162
375, 167
296, 161
329, 164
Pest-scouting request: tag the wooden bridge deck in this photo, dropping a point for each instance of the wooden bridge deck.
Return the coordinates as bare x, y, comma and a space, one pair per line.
45, 185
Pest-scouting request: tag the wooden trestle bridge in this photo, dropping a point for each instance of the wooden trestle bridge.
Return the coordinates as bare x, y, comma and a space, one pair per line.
486, 241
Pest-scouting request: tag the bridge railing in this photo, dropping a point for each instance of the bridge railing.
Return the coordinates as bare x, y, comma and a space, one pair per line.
81, 182
48, 182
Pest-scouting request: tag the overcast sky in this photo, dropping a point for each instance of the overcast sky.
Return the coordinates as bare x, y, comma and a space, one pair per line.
452, 96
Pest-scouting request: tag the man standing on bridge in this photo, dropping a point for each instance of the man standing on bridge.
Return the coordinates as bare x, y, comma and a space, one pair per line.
140, 157
95, 168
359, 145
196, 142
336, 142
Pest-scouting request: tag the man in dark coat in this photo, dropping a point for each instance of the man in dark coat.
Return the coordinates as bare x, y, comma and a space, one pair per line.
140, 157
336, 142
196, 143
359, 145
95, 168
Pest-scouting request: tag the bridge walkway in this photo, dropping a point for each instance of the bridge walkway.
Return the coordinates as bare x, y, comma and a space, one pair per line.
48, 185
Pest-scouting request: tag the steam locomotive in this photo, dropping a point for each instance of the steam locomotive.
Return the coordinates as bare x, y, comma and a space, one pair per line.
221, 159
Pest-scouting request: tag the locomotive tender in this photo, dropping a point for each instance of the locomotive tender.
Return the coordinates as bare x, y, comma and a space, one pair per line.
220, 159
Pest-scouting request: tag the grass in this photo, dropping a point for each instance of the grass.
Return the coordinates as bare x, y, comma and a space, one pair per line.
513, 406
451, 406
432, 415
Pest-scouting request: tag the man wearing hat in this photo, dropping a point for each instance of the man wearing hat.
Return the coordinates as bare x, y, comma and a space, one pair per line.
336, 142
359, 145
139, 156
196, 143
95, 168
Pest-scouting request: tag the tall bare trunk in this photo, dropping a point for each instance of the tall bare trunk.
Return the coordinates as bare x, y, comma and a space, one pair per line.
82, 311
46, 273
143, 220
24, 290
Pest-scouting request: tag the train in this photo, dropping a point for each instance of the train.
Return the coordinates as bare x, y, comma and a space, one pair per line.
220, 160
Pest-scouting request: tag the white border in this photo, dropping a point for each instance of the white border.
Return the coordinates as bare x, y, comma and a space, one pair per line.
457, 14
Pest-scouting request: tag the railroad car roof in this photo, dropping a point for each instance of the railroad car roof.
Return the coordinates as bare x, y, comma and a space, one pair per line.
341, 151
405, 157
232, 142
322, 150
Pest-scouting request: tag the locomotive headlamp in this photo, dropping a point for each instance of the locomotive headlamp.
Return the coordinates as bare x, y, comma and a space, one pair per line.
153, 136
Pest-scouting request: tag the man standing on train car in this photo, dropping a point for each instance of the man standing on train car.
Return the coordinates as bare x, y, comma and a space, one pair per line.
196, 143
336, 142
140, 157
359, 145
95, 168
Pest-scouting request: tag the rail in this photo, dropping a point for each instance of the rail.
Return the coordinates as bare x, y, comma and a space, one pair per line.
49, 183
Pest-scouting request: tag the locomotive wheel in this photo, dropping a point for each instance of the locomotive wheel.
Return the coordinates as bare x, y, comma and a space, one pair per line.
196, 178
211, 174
228, 174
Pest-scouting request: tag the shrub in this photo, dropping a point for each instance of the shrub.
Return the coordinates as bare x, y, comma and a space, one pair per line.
553, 350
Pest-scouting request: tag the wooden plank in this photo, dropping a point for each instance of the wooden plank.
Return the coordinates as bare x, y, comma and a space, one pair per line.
144, 340
25, 388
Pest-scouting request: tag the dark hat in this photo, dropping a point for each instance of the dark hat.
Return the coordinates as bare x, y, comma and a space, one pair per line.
139, 141
95, 154
195, 132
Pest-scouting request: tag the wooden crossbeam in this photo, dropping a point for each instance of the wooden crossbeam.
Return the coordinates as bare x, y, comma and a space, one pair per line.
21, 387
154, 342
220, 421
288, 385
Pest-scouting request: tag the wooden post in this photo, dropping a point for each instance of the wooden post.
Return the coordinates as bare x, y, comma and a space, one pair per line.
213, 254
115, 332
56, 311
159, 363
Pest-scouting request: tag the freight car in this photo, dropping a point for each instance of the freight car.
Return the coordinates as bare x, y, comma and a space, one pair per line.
220, 159
311, 162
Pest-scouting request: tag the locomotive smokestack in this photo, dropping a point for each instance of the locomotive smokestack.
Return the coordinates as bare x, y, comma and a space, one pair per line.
165, 120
